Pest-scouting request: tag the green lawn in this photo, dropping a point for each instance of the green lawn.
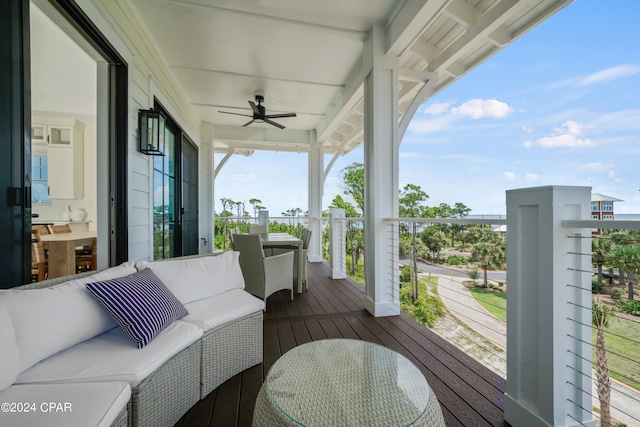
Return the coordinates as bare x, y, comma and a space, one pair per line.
494, 302
625, 361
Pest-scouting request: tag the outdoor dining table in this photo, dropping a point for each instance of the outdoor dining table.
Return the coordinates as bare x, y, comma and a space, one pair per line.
284, 240
62, 250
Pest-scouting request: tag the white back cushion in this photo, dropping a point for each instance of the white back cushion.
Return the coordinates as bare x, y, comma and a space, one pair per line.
51, 319
9, 355
194, 279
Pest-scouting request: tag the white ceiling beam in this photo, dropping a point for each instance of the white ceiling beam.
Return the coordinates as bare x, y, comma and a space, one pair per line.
260, 135
424, 50
488, 22
416, 76
410, 22
500, 37
463, 13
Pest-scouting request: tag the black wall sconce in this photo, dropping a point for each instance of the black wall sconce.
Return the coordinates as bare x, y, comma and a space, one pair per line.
151, 129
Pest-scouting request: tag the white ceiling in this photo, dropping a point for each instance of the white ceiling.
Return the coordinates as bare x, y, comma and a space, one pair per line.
306, 57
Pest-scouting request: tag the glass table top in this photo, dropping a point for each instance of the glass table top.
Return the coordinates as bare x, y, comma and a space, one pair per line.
347, 382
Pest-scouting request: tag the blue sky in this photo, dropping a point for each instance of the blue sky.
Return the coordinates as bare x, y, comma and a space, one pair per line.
560, 106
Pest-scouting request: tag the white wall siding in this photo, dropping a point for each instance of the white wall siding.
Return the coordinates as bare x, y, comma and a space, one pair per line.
149, 77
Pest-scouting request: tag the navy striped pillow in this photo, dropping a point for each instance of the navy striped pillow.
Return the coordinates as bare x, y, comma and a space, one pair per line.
140, 303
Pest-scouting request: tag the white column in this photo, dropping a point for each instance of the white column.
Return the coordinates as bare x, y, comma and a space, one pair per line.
380, 176
548, 284
316, 190
337, 242
206, 193
263, 218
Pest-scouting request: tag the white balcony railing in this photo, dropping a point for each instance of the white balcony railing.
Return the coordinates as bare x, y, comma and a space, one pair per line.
548, 344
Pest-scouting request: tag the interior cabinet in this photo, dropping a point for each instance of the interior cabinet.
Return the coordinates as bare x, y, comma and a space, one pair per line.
64, 139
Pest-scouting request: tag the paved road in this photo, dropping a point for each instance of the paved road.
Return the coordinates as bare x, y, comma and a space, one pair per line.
496, 276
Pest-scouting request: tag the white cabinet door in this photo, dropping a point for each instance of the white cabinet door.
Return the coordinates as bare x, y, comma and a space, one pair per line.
61, 173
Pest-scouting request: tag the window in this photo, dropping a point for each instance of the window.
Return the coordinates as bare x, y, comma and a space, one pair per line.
594, 206
40, 180
164, 197
607, 206
607, 216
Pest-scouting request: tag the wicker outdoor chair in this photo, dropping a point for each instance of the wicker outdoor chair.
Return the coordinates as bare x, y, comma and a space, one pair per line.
263, 275
305, 236
258, 229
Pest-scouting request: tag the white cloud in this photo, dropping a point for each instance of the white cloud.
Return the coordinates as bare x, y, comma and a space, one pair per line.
481, 108
528, 144
437, 108
612, 174
611, 73
532, 176
510, 176
569, 136
570, 141
592, 167
527, 129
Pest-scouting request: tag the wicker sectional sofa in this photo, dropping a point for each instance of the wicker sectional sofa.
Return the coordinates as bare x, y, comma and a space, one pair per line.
66, 361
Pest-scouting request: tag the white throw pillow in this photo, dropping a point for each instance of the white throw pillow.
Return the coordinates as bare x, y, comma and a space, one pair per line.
52, 319
198, 278
9, 355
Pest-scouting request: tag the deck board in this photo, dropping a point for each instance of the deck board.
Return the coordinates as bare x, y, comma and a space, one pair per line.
469, 393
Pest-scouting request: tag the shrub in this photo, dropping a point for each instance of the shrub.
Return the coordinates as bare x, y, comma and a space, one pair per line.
426, 310
405, 274
630, 307
617, 292
474, 274
455, 260
596, 287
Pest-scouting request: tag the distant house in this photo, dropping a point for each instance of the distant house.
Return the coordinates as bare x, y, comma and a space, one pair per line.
602, 208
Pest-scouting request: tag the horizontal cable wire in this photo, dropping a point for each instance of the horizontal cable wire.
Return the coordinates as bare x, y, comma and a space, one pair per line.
590, 393
622, 390
613, 372
607, 333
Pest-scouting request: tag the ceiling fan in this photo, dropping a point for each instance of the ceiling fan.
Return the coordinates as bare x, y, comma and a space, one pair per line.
260, 115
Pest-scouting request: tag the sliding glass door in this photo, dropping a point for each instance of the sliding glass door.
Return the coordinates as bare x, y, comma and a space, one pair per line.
175, 194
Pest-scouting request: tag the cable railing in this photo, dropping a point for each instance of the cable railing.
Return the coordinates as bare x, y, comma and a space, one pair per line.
609, 369
466, 323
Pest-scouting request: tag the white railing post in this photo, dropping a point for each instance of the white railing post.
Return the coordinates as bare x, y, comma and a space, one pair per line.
548, 308
337, 250
314, 252
263, 218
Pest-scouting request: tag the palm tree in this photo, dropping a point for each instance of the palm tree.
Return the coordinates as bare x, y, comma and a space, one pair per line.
600, 316
601, 249
490, 250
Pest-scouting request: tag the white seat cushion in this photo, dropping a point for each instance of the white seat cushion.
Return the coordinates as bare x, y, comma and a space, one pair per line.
228, 306
49, 320
112, 356
9, 355
65, 405
193, 279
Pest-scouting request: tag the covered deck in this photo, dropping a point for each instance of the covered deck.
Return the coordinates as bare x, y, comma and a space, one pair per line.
469, 393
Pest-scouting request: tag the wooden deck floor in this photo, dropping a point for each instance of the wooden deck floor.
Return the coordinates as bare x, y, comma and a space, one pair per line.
469, 393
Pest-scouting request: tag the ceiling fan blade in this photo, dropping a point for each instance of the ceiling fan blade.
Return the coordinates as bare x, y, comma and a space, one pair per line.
254, 107
235, 114
248, 123
278, 125
279, 116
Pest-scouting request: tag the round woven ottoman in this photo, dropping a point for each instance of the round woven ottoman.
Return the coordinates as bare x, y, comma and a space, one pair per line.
343, 382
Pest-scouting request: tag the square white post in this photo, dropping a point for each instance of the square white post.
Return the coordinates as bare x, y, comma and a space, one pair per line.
337, 250
381, 145
263, 218
548, 308
316, 190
